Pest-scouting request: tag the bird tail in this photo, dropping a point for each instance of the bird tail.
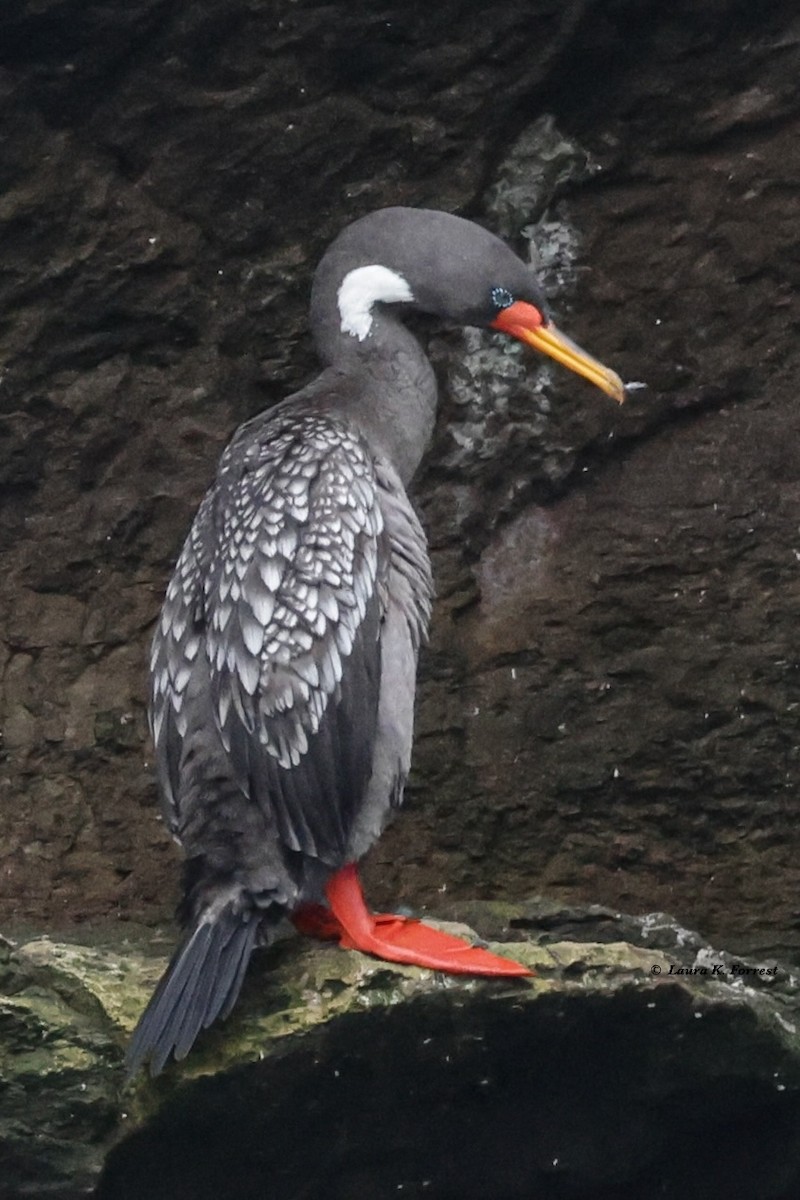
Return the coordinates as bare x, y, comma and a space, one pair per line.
201, 983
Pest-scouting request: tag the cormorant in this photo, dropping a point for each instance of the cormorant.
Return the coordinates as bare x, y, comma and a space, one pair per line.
284, 661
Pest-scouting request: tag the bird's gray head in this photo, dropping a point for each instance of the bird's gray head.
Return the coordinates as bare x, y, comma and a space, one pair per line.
435, 261
438, 263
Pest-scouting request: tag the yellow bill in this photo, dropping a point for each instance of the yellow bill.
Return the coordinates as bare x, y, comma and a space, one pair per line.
526, 323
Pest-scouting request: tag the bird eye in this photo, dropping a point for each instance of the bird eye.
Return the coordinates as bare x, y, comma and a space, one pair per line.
501, 298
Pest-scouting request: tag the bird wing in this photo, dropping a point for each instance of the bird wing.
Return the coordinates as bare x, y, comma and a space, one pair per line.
278, 595
176, 654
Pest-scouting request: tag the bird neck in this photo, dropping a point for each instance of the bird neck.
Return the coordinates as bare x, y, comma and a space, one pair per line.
391, 394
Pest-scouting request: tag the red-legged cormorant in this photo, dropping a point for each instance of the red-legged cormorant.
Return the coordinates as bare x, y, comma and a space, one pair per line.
284, 661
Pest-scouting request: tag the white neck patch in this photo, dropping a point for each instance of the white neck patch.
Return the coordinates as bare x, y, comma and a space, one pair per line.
363, 287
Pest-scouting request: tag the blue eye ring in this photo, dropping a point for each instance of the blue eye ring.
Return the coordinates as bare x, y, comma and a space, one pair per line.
501, 298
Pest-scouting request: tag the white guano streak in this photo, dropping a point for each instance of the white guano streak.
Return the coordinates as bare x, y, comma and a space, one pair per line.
363, 287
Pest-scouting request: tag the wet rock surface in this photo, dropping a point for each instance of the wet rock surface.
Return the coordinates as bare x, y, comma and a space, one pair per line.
440, 1099
483, 1100
636, 1052
608, 704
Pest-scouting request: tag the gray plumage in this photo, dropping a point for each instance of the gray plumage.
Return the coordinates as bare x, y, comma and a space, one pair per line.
284, 661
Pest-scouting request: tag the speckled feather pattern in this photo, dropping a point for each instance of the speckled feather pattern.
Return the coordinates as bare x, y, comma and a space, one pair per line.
273, 615
284, 590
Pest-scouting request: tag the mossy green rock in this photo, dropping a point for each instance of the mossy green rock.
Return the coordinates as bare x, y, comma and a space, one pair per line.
67, 1011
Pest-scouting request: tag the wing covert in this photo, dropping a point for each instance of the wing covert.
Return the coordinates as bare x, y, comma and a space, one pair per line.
284, 570
176, 650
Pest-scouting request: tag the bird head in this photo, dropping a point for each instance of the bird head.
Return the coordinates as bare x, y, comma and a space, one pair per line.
442, 264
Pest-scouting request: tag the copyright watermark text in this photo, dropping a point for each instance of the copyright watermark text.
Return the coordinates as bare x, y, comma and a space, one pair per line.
720, 970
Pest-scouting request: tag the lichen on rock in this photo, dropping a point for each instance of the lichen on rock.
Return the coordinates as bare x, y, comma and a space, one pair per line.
307, 1012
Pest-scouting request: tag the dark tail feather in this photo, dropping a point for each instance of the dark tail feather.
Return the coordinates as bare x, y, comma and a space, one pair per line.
202, 982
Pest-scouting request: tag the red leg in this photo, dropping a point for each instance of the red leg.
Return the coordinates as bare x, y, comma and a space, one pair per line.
315, 920
401, 939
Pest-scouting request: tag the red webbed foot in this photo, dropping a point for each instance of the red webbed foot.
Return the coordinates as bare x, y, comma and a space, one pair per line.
400, 939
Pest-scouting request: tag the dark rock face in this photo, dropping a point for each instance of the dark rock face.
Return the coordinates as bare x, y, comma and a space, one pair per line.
445, 1100
633, 1052
608, 704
